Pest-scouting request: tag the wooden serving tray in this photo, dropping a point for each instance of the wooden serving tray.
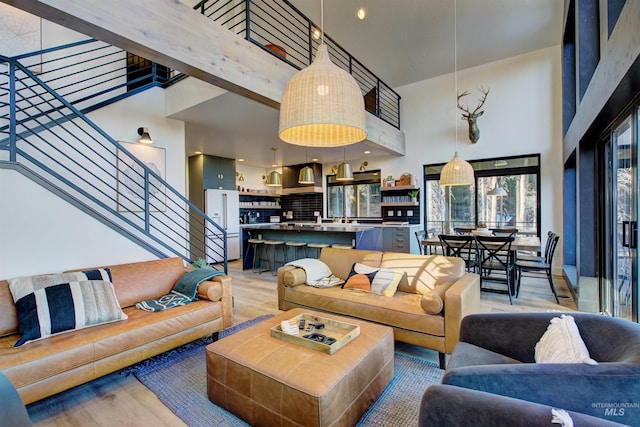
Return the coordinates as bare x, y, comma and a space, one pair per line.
341, 331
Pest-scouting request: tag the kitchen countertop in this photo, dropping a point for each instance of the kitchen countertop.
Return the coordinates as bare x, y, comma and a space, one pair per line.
327, 225
339, 228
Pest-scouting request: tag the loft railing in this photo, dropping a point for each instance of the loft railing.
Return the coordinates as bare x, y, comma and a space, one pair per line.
90, 74
53, 139
281, 29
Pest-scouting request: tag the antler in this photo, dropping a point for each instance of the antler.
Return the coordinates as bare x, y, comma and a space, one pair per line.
466, 108
484, 97
460, 95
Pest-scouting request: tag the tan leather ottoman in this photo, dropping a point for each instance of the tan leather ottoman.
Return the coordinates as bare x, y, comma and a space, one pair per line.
270, 382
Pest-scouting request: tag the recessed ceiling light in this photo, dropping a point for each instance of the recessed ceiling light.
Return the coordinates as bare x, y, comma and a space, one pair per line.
241, 160
361, 14
274, 166
197, 152
314, 160
367, 152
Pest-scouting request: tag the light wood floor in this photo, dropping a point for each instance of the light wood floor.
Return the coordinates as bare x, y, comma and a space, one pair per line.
118, 400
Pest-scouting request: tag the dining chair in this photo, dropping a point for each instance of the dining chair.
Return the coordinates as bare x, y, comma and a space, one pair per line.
420, 236
505, 231
463, 230
461, 246
496, 256
537, 258
523, 266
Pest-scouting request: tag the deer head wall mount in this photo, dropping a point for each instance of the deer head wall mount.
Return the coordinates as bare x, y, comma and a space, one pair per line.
472, 116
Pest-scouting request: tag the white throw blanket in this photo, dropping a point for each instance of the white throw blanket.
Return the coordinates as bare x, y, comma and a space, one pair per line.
318, 273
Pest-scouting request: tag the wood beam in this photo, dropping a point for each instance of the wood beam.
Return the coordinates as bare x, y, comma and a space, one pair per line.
173, 34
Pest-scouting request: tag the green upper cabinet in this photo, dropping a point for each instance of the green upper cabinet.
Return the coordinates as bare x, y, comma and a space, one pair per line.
210, 172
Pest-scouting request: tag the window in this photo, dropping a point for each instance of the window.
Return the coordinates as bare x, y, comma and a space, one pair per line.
448, 207
515, 204
505, 195
359, 198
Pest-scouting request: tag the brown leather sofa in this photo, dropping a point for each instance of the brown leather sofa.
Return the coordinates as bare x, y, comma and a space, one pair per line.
42, 368
428, 276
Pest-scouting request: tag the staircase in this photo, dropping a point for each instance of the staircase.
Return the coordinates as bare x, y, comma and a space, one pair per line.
46, 135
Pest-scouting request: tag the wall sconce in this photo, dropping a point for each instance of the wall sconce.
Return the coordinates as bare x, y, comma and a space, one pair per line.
240, 177
363, 166
145, 138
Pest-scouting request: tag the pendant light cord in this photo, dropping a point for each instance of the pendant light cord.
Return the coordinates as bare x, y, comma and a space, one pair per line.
455, 67
322, 21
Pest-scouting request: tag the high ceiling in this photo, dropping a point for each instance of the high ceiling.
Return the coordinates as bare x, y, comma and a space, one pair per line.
402, 42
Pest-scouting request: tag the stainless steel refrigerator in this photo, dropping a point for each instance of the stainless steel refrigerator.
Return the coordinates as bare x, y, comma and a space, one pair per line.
223, 207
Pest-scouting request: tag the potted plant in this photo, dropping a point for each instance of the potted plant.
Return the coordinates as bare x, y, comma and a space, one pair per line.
390, 181
414, 195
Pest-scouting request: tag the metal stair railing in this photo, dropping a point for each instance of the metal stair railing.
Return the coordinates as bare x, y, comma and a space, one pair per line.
281, 29
52, 138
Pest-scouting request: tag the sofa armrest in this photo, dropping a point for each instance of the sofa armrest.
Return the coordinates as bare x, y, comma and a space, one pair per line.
511, 334
444, 405
298, 278
219, 289
461, 299
572, 386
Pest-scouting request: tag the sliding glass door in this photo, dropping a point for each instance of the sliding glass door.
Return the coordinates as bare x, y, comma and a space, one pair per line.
619, 287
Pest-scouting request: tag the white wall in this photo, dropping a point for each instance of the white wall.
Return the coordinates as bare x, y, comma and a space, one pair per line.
41, 233
522, 116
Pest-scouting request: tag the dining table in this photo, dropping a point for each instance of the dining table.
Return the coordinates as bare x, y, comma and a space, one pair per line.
521, 243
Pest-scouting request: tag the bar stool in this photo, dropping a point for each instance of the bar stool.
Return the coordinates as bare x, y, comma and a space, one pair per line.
272, 246
295, 247
256, 245
317, 246
342, 246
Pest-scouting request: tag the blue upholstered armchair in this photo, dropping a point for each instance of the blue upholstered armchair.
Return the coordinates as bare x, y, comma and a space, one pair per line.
445, 405
12, 410
496, 355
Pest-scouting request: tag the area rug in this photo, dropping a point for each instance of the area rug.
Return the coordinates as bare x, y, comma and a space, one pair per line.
179, 380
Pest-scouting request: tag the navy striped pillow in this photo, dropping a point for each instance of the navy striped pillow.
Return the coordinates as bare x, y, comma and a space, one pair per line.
55, 303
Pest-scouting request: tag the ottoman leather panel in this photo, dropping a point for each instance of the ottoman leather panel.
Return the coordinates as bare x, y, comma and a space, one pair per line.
267, 381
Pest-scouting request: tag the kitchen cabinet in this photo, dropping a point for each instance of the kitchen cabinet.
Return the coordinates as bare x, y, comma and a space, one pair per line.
397, 204
207, 172
400, 239
212, 172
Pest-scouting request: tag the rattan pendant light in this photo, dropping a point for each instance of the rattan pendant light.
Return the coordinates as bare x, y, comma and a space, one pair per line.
322, 105
457, 171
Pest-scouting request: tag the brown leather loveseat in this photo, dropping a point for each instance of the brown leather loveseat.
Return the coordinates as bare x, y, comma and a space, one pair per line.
412, 311
48, 366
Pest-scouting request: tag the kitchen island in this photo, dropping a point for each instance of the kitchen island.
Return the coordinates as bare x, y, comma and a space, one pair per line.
370, 236
359, 236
